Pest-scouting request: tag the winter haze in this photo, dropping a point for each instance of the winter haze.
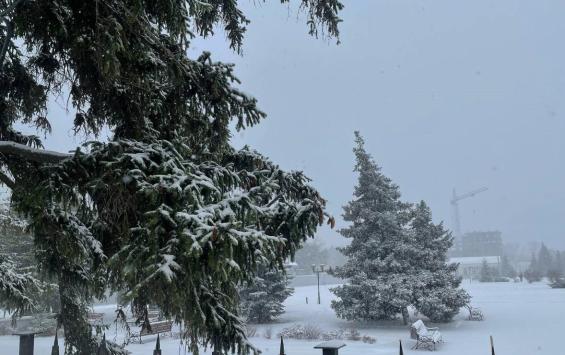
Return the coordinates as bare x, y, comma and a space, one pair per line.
448, 94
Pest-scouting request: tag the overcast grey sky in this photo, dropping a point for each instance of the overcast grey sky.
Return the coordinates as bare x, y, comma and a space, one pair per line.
447, 93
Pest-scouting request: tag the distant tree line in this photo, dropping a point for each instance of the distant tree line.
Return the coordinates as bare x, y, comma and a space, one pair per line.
316, 253
503, 272
546, 263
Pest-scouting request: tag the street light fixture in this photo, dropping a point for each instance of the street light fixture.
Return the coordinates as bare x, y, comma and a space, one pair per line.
318, 269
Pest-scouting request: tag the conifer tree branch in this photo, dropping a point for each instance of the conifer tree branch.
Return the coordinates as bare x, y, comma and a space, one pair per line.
7, 181
9, 33
10, 8
32, 154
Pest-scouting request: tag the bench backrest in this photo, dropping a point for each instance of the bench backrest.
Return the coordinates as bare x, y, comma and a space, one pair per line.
418, 329
156, 328
95, 316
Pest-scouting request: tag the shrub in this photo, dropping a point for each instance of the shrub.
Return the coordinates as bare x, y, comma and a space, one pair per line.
297, 331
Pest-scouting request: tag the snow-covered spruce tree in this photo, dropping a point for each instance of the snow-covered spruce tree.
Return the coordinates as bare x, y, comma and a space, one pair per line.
544, 261
166, 211
436, 291
15, 241
17, 289
533, 273
261, 301
16, 249
486, 274
379, 270
506, 269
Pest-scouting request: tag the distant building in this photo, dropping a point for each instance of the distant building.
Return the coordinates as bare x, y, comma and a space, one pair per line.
470, 266
478, 244
482, 243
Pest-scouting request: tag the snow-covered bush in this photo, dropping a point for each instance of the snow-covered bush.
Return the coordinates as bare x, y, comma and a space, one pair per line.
298, 331
313, 332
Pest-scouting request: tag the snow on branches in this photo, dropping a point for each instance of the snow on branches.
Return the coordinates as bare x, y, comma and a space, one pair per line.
16, 288
180, 231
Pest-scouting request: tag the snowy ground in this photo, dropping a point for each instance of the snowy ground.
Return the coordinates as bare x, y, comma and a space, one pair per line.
524, 319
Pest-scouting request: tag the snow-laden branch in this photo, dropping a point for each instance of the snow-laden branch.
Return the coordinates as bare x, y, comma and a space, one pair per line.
7, 181
33, 154
11, 7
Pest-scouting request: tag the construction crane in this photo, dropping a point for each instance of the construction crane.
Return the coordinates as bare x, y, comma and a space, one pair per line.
455, 203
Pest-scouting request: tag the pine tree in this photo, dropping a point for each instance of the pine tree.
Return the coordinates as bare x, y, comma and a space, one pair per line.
555, 270
16, 249
533, 273
487, 274
377, 269
15, 241
262, 300
166, 211
506, 269
436, 287
544, 261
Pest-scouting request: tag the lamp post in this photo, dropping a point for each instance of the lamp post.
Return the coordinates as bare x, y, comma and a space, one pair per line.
318, 269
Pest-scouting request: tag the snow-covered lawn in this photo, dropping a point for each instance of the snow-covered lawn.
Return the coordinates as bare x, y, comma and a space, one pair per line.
524, 319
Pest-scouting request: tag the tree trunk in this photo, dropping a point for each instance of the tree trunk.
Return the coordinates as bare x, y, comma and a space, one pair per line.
73, 317
405, 315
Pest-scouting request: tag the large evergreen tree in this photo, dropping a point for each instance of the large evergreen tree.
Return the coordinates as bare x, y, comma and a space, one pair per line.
166, 212
378, 269
397, 257
436, 289
262, 300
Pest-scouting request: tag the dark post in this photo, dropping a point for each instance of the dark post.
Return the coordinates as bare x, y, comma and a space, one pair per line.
330, 347
55, 348
282, 347
103, 349
491, 345
26, 342
401, 351
319, 301
318, 269
157, 350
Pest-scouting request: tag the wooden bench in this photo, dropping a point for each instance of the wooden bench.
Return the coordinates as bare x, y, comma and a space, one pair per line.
425, 337
154, 329
154, 316
95, 318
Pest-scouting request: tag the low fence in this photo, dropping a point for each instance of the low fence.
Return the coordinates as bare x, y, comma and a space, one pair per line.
328, 348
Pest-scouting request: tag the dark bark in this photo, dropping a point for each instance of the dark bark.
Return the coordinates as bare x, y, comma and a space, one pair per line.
405, 315
73, 317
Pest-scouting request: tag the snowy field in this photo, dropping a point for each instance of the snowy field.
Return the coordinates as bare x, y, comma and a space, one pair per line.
524, 319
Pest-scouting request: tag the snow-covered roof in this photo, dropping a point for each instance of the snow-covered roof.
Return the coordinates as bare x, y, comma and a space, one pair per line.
464, 260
